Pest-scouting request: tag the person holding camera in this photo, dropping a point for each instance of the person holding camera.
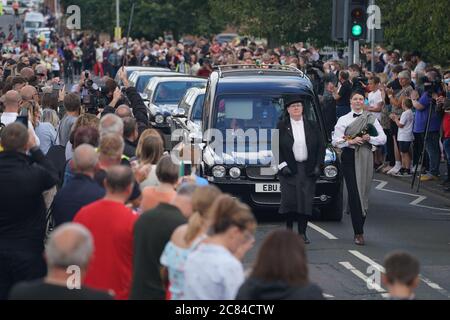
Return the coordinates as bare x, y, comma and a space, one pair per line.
128, 96
302, 153
23, 179
430, 138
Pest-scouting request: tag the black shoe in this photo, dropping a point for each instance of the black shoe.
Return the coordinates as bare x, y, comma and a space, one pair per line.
305, 239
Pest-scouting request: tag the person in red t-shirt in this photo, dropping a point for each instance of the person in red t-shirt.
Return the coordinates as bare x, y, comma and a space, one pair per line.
111, 224
446, 138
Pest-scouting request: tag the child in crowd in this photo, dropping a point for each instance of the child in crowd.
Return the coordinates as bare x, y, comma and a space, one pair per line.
405, 136
402, 276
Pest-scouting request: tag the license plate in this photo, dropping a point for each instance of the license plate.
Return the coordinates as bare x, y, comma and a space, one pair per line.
267, 188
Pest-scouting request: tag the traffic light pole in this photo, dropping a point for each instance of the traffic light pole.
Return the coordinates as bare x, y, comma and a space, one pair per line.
350, 51
372, 43
356, 52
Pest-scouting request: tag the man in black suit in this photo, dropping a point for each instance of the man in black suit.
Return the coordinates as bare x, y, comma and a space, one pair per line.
301, 155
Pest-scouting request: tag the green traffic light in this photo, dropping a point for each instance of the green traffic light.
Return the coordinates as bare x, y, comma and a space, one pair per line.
356, 30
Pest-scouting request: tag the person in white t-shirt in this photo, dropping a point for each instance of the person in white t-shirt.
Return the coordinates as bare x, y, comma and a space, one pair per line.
405, 136
98, 68
12, 105
376, 104
376, 101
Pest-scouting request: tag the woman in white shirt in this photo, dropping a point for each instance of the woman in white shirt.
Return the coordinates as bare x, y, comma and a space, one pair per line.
213, 270
186, 238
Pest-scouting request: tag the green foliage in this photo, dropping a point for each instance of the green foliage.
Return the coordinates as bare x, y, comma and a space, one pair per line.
418, 25
409, 24
152, 18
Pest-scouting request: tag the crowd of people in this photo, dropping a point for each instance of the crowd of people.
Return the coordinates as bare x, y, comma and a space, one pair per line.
400, 91
96, 191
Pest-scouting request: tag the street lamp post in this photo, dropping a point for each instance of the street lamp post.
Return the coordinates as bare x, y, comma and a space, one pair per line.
117, 31
117, 13
372, 41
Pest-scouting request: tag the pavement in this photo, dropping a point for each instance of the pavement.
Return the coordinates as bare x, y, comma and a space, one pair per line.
398, 219
431, 186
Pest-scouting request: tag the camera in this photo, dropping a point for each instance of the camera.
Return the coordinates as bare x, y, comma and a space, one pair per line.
431, 86
93, 97
363, 80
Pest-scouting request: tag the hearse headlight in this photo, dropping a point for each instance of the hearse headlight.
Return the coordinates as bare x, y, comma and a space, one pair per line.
219, 171
235, 172
159, 119
330, 172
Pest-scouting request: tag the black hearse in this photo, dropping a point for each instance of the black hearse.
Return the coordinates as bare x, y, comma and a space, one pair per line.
244, 103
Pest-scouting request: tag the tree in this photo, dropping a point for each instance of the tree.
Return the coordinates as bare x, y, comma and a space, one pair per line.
418, 25
152, 18
280, 21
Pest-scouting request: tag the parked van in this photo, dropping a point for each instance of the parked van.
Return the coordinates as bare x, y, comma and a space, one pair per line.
32, 22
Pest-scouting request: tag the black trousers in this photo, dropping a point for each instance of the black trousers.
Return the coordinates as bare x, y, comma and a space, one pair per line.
301, 219
19, 265
390, 152
348, 168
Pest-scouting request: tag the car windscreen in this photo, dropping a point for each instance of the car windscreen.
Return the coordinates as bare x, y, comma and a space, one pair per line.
33, 24
129, 72
256, 111
197, 109
171, 92
142, 82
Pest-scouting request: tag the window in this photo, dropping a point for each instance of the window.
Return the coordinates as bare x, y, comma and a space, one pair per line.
33, 24
142, 82
248, 112
172, 92
197, 109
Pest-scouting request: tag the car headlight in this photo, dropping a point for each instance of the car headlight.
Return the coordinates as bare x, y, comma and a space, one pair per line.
235, 172
219, 171
159, 119
330, 172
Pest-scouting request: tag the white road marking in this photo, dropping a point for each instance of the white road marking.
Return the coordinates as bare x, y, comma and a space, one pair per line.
380, 268
419, 199
347, 265
322, 231
328, 296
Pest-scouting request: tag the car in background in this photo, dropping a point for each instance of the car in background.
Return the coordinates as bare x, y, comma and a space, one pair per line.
226, 37
130, 69
189, 115
246, 99
140, 79
164, 95
32, 22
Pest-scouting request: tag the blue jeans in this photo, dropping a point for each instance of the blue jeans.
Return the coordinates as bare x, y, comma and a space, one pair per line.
434, 152
447, 149
447, 154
